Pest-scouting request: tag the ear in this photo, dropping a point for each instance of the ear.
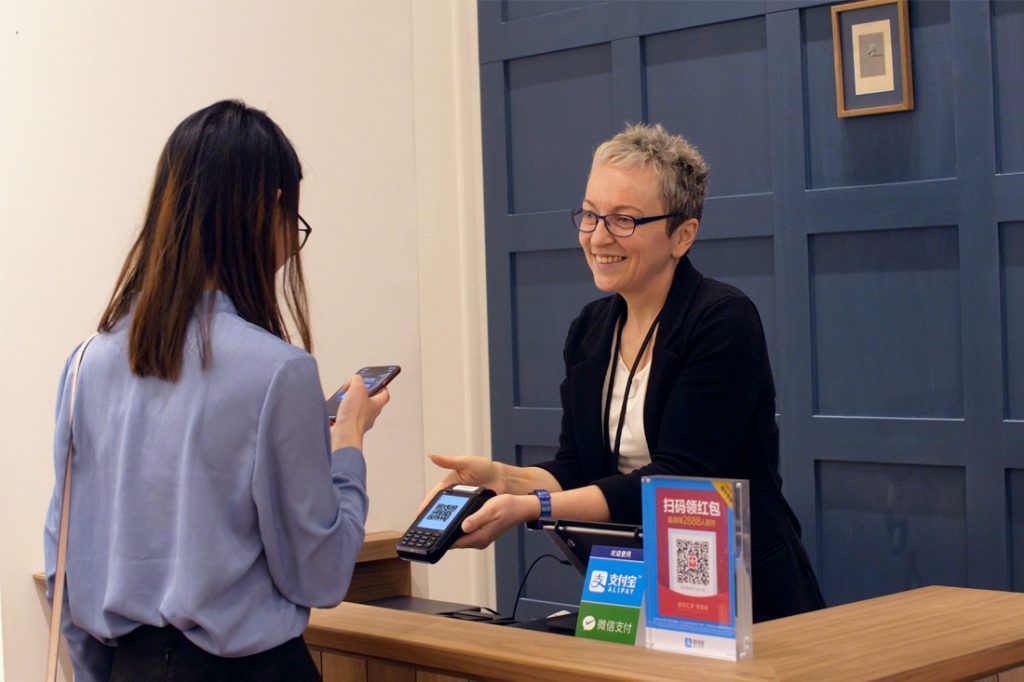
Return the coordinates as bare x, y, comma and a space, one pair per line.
683, 237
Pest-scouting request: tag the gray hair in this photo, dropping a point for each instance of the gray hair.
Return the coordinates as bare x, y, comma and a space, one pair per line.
681, 170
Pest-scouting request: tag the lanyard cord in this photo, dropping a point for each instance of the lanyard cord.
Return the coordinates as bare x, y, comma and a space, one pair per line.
629, 383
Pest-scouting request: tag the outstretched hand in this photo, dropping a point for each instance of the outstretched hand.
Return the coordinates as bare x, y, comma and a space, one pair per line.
466, 470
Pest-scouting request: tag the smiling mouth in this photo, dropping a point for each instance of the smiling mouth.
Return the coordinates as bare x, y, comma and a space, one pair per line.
608, 260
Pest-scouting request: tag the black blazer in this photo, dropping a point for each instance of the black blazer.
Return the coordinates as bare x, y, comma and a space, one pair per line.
709, 411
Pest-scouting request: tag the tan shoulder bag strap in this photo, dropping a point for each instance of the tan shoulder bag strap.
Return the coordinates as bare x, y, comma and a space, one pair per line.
62, 540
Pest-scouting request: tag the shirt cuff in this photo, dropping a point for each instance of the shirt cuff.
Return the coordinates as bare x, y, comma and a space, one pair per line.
349, 462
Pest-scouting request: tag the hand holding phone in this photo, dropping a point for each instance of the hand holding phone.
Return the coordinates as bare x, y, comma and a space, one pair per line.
357, 411
374, 378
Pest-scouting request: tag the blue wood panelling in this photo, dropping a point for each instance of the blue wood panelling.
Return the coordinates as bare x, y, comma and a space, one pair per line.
1015, 493
1007, 48
979, 295
890, 527
549, 288
1013, 316
896, 147
875, 296
749, 265
523, 9
885, 254
564, 99
882, 207
711, 81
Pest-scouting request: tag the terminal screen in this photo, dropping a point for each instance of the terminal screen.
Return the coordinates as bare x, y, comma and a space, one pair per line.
440, 515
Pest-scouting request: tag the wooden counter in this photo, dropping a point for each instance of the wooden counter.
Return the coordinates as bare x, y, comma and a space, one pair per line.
929, 634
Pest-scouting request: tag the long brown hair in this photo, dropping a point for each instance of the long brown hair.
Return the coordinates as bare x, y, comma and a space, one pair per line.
227, 184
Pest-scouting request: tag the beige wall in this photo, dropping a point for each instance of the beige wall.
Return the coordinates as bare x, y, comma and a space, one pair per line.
380, 99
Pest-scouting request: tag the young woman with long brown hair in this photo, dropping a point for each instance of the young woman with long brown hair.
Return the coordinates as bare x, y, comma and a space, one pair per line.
212, 505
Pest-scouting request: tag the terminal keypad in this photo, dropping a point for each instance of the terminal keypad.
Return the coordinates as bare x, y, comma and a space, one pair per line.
420, 538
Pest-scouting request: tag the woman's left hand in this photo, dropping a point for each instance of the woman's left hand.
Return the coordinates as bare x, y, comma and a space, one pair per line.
496, 516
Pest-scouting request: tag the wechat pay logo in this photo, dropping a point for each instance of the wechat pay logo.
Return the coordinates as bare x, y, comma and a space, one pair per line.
598, 580
589, 622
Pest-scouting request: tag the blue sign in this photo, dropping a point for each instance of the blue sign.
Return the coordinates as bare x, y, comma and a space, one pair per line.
615, 576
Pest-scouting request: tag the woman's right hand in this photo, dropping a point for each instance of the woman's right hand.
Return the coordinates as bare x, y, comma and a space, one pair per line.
356, 414
467, 470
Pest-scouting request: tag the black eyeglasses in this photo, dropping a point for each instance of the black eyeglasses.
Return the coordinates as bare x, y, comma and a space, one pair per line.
306, 230
618, 224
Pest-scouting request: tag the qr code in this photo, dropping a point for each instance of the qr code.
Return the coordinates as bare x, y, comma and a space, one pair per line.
693, 566
693, 562
442, 512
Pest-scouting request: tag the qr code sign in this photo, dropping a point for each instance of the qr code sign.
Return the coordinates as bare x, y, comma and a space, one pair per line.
692, 562
442, 512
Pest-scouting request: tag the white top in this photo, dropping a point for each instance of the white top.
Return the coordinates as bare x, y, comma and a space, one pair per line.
633, 451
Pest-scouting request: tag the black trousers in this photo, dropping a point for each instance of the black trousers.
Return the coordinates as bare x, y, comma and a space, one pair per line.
150, 654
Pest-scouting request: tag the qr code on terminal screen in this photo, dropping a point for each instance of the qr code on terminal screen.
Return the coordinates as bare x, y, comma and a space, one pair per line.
442, 512
693, 562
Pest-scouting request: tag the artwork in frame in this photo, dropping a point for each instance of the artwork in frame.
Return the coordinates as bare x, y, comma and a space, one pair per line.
871, 45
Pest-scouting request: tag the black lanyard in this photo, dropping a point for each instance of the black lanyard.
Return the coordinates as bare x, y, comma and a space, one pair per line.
629, 384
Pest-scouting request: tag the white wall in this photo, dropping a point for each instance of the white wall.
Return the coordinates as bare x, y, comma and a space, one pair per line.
453, 336
1, 634
380, 99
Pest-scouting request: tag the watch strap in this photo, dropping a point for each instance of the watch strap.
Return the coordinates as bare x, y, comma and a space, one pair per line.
545, 503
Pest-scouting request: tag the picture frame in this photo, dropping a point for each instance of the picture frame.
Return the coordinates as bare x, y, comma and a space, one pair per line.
871, 48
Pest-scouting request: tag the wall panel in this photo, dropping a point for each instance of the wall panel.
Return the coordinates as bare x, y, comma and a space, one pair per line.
1012, 271
711, 81
890, 527
875, 296
564, 99
1015, 490
1007, 48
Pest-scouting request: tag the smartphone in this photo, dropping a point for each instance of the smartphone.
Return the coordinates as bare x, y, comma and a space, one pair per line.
440, 523
375, 379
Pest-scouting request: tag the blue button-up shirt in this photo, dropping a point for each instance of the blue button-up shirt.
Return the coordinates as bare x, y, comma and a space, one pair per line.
212, 504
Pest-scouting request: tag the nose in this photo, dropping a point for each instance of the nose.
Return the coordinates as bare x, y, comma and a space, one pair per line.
601, 234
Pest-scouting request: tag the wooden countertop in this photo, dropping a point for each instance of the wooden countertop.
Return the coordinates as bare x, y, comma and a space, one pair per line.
376, 546
932, 633
379, 545
378, 572
929, 634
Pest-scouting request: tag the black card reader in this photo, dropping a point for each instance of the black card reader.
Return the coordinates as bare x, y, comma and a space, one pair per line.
440, 524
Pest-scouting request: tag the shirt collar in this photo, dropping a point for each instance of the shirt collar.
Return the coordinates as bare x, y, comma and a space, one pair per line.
221, 302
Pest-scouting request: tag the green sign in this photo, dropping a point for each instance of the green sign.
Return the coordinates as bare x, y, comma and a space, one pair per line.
608, 622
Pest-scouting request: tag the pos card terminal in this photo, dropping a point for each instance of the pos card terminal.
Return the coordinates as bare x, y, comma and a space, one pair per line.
440, 524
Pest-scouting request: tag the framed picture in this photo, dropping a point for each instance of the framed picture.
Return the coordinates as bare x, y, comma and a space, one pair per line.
871, 44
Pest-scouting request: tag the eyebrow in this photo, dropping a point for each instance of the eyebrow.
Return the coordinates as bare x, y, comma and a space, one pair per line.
620, 208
